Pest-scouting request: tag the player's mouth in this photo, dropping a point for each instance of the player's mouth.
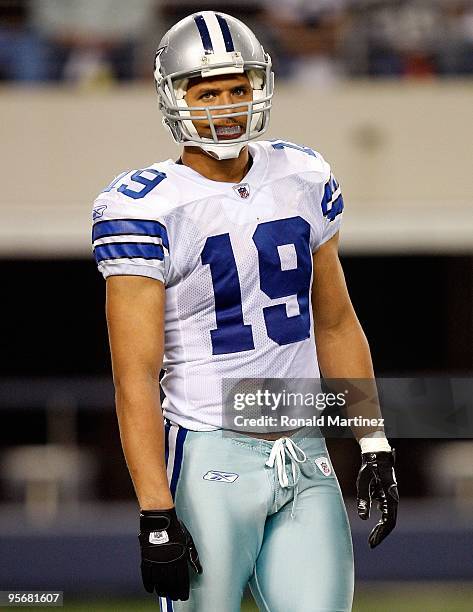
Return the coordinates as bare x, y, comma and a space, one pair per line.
227, 132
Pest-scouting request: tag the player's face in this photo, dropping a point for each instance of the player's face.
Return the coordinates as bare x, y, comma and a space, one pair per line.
216, 91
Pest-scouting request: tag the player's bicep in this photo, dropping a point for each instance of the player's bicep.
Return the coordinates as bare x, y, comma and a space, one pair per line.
331, 302
135, 316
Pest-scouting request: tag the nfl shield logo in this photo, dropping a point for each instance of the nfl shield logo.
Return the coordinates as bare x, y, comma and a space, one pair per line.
243, 190
323, 465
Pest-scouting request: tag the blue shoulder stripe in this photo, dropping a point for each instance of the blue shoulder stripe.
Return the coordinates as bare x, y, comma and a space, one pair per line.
130, 227
129, 250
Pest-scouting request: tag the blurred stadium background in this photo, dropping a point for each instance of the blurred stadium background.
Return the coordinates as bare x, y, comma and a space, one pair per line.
384, 89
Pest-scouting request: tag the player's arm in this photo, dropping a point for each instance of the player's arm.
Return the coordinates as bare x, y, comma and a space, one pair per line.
335, 319
343, 353
342, 348
135, 317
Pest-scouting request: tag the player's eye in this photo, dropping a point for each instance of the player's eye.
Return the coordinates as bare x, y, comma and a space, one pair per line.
207, 95
240, 91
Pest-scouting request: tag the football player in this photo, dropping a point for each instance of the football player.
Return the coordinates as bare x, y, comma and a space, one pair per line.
224, 264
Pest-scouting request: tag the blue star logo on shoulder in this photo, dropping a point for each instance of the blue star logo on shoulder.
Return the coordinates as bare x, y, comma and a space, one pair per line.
243, 190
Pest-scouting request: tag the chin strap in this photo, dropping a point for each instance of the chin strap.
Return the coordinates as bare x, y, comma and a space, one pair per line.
219, 151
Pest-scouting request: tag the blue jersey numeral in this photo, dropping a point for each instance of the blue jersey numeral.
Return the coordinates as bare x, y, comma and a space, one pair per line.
282, 144
278, 283
232, 335
148, 184
138, 177
114, 182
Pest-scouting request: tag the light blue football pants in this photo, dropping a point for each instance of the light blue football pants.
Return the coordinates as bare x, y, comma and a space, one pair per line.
267, 514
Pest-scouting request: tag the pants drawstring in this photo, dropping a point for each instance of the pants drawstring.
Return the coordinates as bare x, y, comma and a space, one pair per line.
281, 448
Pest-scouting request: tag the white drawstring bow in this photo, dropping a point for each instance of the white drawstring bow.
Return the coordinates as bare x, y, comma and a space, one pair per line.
281, 447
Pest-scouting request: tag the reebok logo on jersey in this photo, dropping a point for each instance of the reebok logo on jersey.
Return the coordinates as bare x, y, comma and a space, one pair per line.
98, 211
158, 537
220, 476
243, 190
323, 465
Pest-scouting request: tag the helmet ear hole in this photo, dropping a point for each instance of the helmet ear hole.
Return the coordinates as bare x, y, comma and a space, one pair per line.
256, 78
180, 88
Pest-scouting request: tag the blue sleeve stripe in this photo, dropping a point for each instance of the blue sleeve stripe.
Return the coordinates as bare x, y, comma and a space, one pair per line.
129, 250
328, 193
329, 189
335, 209
130, 227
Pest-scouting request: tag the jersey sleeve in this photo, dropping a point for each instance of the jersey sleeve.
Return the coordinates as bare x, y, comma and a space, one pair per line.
325, 202
331, 208
129, 240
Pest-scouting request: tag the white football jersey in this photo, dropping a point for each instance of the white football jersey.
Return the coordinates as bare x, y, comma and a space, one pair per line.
236, 261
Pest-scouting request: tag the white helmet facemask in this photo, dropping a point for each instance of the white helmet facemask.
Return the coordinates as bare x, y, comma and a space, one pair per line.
172, 85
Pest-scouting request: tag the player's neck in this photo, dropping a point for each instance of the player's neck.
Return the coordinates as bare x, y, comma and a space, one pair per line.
223, 170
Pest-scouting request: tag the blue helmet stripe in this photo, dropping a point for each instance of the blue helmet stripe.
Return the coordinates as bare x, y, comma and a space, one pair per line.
204, 33
227, 36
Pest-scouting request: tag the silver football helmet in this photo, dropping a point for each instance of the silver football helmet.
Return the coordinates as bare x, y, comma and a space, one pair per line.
208, 44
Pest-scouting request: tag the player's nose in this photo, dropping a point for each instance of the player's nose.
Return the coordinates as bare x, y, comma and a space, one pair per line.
224, 99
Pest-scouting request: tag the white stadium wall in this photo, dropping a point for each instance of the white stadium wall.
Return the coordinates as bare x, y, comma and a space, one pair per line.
402, 152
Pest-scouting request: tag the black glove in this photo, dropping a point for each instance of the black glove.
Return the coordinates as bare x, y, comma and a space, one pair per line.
376, 480
166, 546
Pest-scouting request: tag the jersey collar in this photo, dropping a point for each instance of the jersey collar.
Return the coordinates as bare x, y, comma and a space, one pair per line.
254, 177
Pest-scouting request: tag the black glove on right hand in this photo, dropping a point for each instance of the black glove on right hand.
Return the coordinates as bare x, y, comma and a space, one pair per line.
166, 547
